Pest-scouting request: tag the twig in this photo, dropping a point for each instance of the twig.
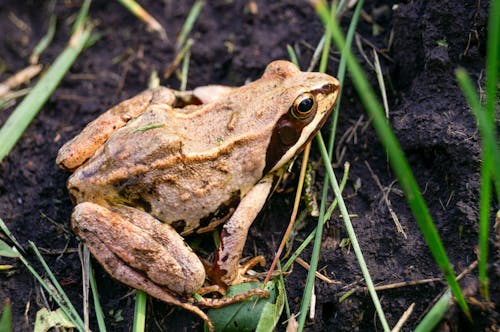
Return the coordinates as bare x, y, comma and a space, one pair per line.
385, 195
403, 318
319, 275
19, 78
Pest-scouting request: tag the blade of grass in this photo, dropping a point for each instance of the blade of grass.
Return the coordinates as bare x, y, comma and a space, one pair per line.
326, 217
189, 23
398, 161
292, 55
75, 318
6, 319
97, 303
11, 237
7, 251
341, 72
74, 314
144, 16
490, 157
185, 70
81, 19
493, 59
22, 116
313, 262
352, 234
486, 125
46, 39
330, 177
434, 316
139, 312
84, 260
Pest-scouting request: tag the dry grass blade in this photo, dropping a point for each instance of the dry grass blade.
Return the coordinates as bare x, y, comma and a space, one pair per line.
144, 16
21, 77
404, 317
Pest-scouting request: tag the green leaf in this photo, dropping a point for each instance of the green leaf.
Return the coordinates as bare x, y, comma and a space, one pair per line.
45, 320
253, 314
271, 312
7, 251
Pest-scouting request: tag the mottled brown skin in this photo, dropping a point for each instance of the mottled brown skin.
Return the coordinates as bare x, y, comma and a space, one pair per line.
147, 172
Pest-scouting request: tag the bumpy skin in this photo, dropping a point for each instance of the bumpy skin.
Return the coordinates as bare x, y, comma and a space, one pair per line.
147, 170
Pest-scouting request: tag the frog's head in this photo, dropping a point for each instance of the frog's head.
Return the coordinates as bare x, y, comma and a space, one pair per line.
306, 99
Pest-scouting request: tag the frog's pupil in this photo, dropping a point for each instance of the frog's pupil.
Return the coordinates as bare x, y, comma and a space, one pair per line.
305, 105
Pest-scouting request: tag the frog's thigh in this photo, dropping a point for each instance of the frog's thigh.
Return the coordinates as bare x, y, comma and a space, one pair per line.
156, 249
234, 233
75, 152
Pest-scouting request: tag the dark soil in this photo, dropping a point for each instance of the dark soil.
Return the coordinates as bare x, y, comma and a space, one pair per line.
431, 119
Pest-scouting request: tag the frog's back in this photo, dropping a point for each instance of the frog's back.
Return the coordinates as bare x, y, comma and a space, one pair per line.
159, 163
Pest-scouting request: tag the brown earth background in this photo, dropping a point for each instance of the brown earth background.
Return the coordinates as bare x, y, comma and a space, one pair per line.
420, 44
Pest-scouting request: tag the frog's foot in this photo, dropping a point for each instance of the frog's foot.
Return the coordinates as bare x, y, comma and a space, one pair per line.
218, 303
211, 289
242, 276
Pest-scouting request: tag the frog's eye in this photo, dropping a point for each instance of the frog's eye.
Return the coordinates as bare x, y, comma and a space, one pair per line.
303, 107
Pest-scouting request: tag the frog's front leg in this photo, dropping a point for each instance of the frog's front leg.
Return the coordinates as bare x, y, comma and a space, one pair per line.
139, 250
234, 233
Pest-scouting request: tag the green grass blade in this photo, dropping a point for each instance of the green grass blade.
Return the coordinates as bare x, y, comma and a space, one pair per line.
7, 251
74, 314
97, 303
292, 55
398, 161
11, 237
434, 316
331, 177
352, 234
313, 262
189, 23
46, 40
327, 216
6, 319
486, 125
341, 72
22, 116
57, 298
82, 17
493, 59
490, 157
140, 311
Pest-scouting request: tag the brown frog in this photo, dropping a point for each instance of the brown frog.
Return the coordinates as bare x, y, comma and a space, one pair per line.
166, 164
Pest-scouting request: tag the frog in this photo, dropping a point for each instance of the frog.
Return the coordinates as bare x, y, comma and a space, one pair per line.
168, 164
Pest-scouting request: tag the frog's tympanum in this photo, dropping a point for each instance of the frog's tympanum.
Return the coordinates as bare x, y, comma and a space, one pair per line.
166, 164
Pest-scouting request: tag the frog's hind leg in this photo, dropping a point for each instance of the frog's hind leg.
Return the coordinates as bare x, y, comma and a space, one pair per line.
140, 244
131, 277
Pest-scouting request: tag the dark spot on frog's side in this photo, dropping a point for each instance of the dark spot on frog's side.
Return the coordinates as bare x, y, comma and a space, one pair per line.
222, 211
179, 225
141, 203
